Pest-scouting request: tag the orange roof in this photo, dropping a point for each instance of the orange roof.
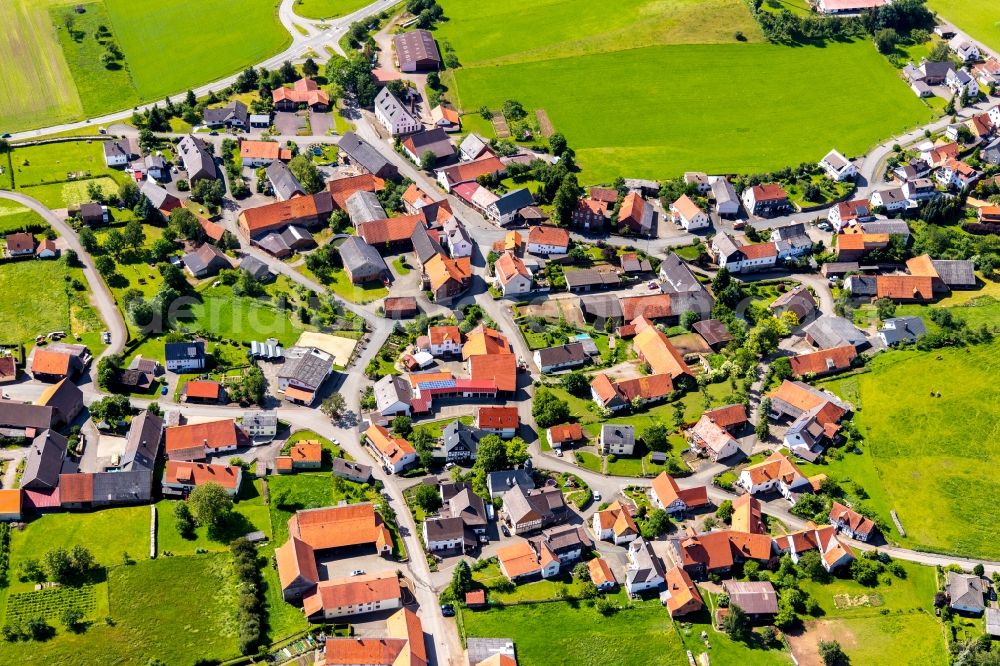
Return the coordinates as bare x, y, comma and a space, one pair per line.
414, 195
769, 192
498, 418
862, 241
282, 213
858, 523
649, 387
392, 230
214, 434
440, 269
655, 348
604, 387
922, 266
727, 416
352, 591
295, 558
10, 501
468, 171
593, 206
667, 492
475, 597
445, 113
509, 266
309, 451
715, 550
518, 559
339, 526
406, 624
424, 377
264, 150
600, 572
283, 463
617, 519
747, 515
442, 334
904, 287
632, 208
481, 341
683, 594
192, 473
393, 448
513, 241
798, 396
368, 651
759, 250
567, 432
342, 188
213, 230
686, 208
823, 361
76, 488
204, 389
302, 395
775, 466
303, 91
50, 362
500, 368
652, 306
548, 235
944, 152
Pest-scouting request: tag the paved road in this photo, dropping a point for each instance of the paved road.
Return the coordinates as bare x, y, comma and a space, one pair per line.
102, 298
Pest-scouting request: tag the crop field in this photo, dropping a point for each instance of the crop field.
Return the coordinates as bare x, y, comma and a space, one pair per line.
981, 20
322, 9
169, 46
928, 442
768, 110
52, 601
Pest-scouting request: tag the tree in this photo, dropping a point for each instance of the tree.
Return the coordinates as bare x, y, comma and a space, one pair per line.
736, 624
886, 40
886, 308
59, 565
725, 511
763, 428
811, 564
310, 68
427, 498
657, 523
134, 235
576, 383
581, 571
402, 426
657, 436
689, 319
307, 174
832, 654
428, 160
979, 570
72, 617
461, 580
209, 192
517, 451
111, 409
88, 239
491, 455
38, 628
566, 199
160, 250
557, 143
107, 370
513, 110
334, 405
210, 504
183, 520
129, 194
548, 409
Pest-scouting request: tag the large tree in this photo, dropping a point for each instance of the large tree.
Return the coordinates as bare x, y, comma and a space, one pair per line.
210, 504
307, 174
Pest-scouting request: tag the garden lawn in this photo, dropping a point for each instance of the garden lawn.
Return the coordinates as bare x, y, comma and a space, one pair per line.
625, 466
251, 514
760, 122
846, 598
242, 319
21, 319
927, 451
341, 285
15, 217
321, 9
902, 640
981, 20
584, 636
58, 174
722, 650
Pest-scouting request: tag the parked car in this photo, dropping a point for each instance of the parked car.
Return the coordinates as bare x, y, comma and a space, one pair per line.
358, 572
597, 496
163, 391
506, 532
447, 610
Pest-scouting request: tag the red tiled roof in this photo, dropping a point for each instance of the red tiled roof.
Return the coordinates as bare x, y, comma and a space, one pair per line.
727, 416
823, 361
214, 434
904, 287
498, 418
469, 171
192, 473
567, 432
500, 368
769, 192
265, 150
441, 334
547, 235
203, 389
308, 451
667, 491
759, 250
342, 188
392, 230
48, 362
76, 488
653, 306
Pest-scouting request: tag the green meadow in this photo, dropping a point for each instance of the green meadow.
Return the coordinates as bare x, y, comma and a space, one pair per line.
644, 112
322, 9
981, 20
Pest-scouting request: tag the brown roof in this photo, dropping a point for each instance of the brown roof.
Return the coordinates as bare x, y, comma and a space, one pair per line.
605, 194
759, 250
727, 416
214, 434
653, 306
283, 213
649, 387
858, 523
468, 171
76, 488
922, 266
352, 591
391, 230
20, 242
754, 597
498, 418
716, 550
203, 389
713, 330
775, 466
303, 91
667, 491
295, 558
823, 361
501, 368
342, 188
904, 287
567, 432
8, 368
769, 192
400, 304
48, 362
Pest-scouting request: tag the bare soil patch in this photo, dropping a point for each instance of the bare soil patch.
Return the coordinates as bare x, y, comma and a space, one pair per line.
544, 124
805, 645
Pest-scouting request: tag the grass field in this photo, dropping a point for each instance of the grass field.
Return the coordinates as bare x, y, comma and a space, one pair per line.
981, 20
321, 9
583, 636
241, 319
169, 46
924, 452
57, 174
50, 308
658, 130
15, 217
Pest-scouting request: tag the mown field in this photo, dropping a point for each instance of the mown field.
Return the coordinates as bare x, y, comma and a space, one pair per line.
923, 452
169, 46
981, 20
643, 112
58, 174
321, 9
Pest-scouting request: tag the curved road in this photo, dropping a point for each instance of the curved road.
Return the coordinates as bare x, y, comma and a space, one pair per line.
102, 298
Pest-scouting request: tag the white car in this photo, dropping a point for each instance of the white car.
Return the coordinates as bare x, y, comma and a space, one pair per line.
597, 496
358, 572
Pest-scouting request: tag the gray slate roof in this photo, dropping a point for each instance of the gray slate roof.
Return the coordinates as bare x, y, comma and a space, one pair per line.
514, 201
128, 487
235, 112
435, 140
364, 206
157, 196
956, 272
390, 390
206, 260
282, 180
309, 369
43, 461
569, 353
142, 444
829, 331
197, 160
616, 434
255, 267
180, 351
902, 329
424, 246
365, 154
459, 434
360, 257
965, 590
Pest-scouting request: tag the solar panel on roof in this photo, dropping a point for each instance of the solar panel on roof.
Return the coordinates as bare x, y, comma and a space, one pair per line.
441, 383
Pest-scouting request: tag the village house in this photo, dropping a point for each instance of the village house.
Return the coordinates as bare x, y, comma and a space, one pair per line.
356, 152
791, 241
758, 599
446, 118
260, 424
184, 356
956, 174
677, 501
776, 473
645, 570
513, 275
505, 209
848, 213
206, 261
554, 359
393, 395
460, 442
892, 200
403, 645
198, 441
897, 330
815, 417
500, 482
615, 524
303, 373
43, 461
352, 596
444, 340
711, 439
965, 49
965, 593
833, 552
768, 200
302, 455
233, 115
654, 347
203, 391
49, 365
736, 257
395, 453
727, 203
688, 215
502, 421
601, 575
617, 395
350, 470
616, 439
362, 262
547, 240
303, 93
636, 216
590, 214
394, 116
838, 167
798, 301
852, 523
283, 182
823, 362
681, 596
716, 552
181, 477
118, 152
199, 164
748, 516
400, 307
530, 510
416, 51
561, 435
448, 278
